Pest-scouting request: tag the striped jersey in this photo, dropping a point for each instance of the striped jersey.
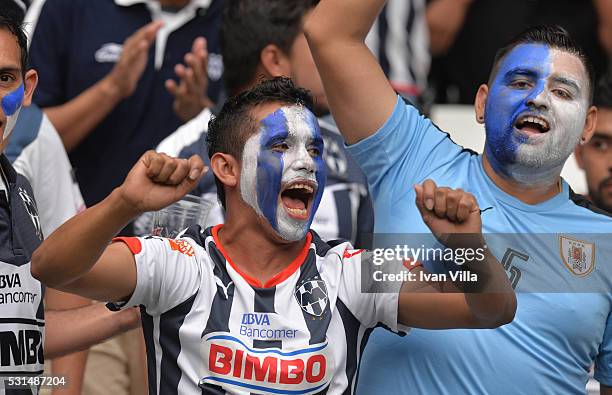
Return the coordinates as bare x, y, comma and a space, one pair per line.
211, 329
399, 39
22, 319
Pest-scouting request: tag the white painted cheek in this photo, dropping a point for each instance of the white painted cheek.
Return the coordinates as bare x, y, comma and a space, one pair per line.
11, 121
248, 172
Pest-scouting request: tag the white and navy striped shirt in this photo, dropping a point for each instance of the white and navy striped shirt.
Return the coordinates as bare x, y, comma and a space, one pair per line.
400, 41
210, 329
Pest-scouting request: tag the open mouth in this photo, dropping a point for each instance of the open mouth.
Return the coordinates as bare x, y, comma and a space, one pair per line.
530, 124
297, 197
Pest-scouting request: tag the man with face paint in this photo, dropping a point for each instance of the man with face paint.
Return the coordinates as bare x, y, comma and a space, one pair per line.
259, 304
27, 327
264, 39
595, 157
536, 107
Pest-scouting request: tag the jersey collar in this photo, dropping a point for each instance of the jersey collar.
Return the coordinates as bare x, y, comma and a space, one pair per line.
551, 204
278, 277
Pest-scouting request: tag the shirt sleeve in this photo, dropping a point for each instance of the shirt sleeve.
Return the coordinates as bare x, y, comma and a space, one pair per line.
45, 164
167, 272
403, 152
49, 52
369, 303
603, 362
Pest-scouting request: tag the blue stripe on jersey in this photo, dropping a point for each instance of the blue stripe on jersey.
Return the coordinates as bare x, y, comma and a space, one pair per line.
264, 303
170, 323
317, 328
147, 330
351, 326
345, 218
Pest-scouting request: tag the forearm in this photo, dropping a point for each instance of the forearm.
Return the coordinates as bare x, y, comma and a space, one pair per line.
490, 296
605, 390
88, 326
444, 19
75, 119
328, 23
336, 31
73, 249
71, 366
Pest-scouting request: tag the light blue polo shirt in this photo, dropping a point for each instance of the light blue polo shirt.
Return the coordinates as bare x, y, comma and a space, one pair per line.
555, 337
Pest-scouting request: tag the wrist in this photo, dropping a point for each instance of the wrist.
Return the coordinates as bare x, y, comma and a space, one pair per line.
121, 206
111, 88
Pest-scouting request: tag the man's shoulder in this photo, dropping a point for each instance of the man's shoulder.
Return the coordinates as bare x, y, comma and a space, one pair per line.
587, 210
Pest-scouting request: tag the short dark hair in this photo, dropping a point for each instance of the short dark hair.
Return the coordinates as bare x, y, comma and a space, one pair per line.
248, 26
232, 127
603, 91
10, 23
553, 36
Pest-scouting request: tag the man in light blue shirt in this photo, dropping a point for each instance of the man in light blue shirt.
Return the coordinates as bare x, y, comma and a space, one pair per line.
536, 108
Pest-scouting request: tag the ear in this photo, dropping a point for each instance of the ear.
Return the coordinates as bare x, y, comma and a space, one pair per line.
480, 103
226, 168
590, 124
29, 85
274, 61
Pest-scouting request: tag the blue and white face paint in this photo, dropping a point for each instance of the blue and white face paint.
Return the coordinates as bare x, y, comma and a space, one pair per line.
283, 173
11, 105
535, 113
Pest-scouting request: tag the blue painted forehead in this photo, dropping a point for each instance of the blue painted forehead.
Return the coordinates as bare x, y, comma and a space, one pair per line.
276, 123
527, 56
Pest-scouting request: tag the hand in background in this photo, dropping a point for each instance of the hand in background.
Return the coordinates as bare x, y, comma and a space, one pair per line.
190, 96
128, 70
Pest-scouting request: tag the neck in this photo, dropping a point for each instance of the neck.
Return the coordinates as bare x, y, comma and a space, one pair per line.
527, 187
254, 251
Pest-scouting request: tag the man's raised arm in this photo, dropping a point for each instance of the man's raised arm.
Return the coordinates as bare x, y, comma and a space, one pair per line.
77, 257
359, 94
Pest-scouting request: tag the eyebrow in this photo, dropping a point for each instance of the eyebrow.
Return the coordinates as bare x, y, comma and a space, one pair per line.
520, 71
567, 81
10, 69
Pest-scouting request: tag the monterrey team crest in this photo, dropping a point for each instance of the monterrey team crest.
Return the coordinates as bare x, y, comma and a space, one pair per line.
577, 255
312, 297
30, 207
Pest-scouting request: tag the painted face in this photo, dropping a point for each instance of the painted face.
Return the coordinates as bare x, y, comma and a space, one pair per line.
11, 105
283, 174
535, 112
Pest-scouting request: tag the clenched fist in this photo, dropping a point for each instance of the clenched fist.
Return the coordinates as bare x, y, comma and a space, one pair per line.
158, 180
448, 213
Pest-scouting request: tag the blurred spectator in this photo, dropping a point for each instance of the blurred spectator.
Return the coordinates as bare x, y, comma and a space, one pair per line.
595, 157
106, 77
400, 41
277, 47
465, 35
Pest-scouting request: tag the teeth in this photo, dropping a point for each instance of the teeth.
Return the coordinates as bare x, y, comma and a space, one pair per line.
297, 211
302, 186
535, 120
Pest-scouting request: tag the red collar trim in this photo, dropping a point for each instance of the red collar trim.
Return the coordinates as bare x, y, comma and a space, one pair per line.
278, 277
